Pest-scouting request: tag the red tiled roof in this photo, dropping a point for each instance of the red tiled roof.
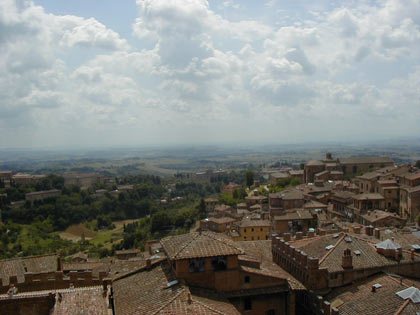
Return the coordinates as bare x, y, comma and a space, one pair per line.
196, 244
358, 298
18, 266
81, 301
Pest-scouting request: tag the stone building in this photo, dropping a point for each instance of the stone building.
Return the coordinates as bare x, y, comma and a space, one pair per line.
42, 195
252, 230
342, 167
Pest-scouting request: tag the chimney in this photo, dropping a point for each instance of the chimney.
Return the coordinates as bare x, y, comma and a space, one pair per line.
347, 259
412, 254
327, 308
335, 311
59, 264
189, 300
148, 263
298, 235
377, 233
356, 229
286, 237
373, 289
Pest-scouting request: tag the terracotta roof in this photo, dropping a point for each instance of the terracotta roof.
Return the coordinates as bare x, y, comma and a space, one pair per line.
369, 257
81, 301
387, 182
185, 303
343, 194
144, 292
369, 196
195, 244
18, 266
377, 215
260, 251
127, 251
222, 220
302, 214
358, 298
149, 292
249, 223
222, 208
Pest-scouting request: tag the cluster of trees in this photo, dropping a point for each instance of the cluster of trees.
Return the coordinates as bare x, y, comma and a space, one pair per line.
33, 228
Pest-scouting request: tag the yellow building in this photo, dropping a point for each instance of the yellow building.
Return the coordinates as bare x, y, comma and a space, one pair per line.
251, 230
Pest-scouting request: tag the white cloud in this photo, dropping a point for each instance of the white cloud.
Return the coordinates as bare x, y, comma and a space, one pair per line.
192, 72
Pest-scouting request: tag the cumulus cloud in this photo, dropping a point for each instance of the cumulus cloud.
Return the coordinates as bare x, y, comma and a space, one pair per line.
198, 72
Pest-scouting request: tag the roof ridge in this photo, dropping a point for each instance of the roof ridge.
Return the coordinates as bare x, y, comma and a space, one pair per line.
402, 307
169, 302
207, 306
197, 234
224, 242
392, 278
27, 257
332, 249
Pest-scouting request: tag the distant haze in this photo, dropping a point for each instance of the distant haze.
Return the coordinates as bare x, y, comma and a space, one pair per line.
158, 72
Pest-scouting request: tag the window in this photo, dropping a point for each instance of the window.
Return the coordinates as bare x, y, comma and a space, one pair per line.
270, 312
197, 264
252, 238
245, 230
247, 279
219, 263
252, 230
261, 229
333, 276
248, 304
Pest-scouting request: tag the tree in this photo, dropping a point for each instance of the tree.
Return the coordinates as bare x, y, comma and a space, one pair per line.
202, 209
160, 220
249, 178
418, 164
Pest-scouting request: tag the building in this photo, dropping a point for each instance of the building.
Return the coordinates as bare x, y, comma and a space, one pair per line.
233, 277
409, 205
126, 254
293, 221
379, 218
219, 225
252, 230
210, 204
22, 179
42, 195
285, 200
229, 188
377, 295
330, 169
82, 179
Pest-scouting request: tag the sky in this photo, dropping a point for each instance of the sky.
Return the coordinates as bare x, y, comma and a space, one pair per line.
86, 73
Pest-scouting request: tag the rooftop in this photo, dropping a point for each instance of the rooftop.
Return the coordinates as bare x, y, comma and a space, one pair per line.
358, 298
156, 291
331, 258
18, 266
300, 214
368, 196
196, 244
